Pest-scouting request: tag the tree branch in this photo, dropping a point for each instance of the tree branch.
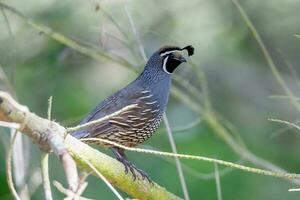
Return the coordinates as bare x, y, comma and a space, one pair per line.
49, 136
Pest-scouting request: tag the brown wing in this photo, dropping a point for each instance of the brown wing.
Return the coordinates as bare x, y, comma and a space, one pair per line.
128, 126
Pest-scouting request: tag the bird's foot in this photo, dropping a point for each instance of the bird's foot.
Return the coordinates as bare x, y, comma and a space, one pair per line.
129, 166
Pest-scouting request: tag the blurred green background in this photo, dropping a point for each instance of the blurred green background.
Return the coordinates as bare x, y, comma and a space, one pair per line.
240, 84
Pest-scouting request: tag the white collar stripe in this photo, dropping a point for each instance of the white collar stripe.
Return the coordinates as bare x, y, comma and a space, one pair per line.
165, 65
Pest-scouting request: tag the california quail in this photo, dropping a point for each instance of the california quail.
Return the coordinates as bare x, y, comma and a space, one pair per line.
149, 92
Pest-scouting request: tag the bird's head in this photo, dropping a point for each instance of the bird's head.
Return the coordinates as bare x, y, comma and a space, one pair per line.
168, 58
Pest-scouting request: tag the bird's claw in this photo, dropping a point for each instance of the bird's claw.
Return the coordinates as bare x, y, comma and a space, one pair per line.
144, 175
133, 169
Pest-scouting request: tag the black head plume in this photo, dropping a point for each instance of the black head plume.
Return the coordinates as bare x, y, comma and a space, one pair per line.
190, 49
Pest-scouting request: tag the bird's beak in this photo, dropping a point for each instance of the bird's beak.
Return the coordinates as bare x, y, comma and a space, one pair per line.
179, 58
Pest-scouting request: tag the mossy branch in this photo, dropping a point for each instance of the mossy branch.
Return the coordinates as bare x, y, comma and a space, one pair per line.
113, 170
36, 128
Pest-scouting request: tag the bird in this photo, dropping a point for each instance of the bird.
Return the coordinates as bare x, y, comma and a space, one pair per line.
148, 95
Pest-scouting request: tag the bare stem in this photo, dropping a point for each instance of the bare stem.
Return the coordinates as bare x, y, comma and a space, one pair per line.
45, 176
218, 182
202, 158
104, 180
178, 164
286, 123
45, 162
8, 167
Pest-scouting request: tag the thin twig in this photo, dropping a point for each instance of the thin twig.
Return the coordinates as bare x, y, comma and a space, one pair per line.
45, 176
294, 190
202, 158
67, 192
92, 166
8, 167
218, 183
49, 108
178, 164
114, 22
10, 125
135, 32
193, 172
70, 169
282, 97
104, 180
34, 181
81, 189
285, 122
45, 162
82, 183
12, 52
283, 129
9, 156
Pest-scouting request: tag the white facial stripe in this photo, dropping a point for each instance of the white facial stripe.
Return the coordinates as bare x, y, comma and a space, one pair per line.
165, 65
168, 52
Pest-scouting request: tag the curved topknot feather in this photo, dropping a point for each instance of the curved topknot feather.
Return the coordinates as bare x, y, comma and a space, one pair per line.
190, 49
